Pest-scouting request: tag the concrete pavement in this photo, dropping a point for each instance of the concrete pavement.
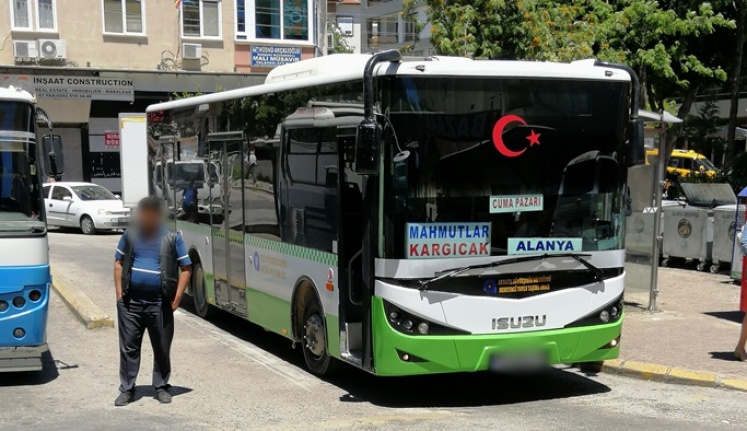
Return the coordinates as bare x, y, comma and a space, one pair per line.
229, 374
695, 330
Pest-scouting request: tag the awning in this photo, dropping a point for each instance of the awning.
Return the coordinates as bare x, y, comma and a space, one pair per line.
655, 117
739, 133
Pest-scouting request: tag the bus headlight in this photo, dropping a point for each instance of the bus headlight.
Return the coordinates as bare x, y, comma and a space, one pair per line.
410, 324
3, 305
19, 302
35, 295
19, 333
609, 313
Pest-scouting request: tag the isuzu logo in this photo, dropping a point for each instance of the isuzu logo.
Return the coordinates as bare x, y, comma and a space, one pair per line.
503, 323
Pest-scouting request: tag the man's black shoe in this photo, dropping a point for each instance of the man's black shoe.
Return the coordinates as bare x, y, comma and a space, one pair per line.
123, 399
162, 396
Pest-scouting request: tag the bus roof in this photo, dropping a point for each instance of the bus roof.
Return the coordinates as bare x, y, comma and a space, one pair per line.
16, 94
349, 67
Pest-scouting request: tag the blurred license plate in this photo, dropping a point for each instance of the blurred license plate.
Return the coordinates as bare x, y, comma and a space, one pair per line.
520, 361
123, 220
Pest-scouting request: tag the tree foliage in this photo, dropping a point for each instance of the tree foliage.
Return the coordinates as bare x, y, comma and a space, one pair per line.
668, 40
675, 46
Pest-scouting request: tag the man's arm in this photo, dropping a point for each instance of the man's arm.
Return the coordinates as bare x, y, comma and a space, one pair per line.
118, 278
182, 257
181, 286
118, 258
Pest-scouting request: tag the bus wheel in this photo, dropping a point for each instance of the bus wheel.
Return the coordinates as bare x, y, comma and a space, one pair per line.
314, 342
199, 295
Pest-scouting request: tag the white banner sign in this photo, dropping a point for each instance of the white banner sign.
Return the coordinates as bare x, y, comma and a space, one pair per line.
72, 87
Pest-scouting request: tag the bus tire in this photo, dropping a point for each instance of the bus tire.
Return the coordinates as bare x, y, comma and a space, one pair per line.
199, 293
313, 334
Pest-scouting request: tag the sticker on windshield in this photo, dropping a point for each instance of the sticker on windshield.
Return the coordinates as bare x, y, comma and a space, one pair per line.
544, 245
515, 203
435, 240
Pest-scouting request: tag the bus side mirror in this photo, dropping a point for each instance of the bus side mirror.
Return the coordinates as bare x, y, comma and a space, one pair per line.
636, 150
54, 161
367, 141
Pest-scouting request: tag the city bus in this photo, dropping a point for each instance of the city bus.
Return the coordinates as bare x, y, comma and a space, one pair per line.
24, 252
417, 215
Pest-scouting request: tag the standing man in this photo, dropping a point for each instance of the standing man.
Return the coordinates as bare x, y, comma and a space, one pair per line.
149, 288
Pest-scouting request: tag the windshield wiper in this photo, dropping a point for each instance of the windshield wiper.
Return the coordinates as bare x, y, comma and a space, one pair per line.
580, 258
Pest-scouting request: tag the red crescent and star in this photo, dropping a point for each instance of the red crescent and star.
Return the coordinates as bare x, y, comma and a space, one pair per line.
501, 124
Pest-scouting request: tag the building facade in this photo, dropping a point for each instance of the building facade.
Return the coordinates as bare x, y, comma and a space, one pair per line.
89, 60
385, 27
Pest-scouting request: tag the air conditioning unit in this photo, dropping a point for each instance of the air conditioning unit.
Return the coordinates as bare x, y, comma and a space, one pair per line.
25, 49
191, 51
52, 49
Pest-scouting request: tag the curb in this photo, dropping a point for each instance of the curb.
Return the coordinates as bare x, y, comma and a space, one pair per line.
81, 305
667, 374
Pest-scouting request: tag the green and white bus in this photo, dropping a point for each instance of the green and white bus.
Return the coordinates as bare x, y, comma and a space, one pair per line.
414, 216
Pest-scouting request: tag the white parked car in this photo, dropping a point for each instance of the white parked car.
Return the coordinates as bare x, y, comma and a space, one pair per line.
87, 206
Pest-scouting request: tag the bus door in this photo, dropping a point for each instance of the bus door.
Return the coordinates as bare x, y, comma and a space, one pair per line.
163, 175
225, 174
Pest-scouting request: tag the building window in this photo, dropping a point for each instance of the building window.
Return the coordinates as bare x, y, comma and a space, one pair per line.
345, 24
274, 20
33, 15
383, 30
201, 19
124, 17
410, 27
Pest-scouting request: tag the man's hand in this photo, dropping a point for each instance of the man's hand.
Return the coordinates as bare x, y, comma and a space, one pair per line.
176, 301
181, 286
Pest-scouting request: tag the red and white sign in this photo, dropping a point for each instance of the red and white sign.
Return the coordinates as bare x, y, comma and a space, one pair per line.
111, 139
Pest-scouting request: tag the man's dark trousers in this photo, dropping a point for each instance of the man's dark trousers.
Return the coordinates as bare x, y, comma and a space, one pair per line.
135, 316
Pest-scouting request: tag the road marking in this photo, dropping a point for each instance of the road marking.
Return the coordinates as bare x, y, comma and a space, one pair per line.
271, 362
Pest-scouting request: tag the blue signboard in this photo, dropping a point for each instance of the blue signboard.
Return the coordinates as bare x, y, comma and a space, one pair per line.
272, 56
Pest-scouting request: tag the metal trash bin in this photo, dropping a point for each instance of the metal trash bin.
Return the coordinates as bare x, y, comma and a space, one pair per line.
727, 220
688, 234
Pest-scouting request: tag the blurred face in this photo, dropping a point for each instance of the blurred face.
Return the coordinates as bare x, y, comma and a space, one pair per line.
148, 219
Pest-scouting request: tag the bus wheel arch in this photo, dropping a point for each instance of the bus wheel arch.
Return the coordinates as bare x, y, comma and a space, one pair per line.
310, 328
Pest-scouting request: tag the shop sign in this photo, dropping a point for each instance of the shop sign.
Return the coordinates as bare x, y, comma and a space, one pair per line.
272, 56
111, 139
72, 87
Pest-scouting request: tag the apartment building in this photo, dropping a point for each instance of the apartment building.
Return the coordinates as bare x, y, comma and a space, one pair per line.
385, 27
89, 60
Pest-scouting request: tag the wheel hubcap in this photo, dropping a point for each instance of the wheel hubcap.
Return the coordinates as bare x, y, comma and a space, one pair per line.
315, 339
87, 225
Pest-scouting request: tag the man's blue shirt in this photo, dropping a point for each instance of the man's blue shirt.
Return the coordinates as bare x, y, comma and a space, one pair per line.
145, 277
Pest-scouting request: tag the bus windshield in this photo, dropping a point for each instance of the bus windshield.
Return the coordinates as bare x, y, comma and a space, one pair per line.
19, 186
518, 162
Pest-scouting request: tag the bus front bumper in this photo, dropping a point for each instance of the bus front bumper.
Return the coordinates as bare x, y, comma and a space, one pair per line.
22, 358
398, 354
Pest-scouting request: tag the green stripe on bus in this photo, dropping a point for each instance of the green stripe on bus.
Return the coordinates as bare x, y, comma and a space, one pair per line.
329, 259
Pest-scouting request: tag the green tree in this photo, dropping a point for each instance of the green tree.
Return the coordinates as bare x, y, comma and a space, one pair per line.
675, 46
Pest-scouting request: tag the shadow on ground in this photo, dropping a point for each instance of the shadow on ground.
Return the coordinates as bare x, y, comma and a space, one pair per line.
732, 316
48, 373
723, 356
147, 391
445, 390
